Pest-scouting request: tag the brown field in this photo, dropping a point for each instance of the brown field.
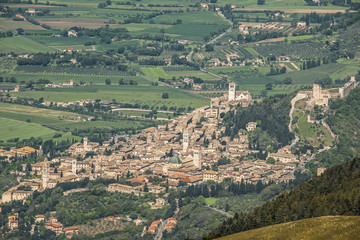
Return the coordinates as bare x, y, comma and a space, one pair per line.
71, 22
292, 10
287, 68
280, 39
12, 25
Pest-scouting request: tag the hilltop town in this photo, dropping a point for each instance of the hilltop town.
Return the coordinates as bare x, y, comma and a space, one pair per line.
182, 151
189, 150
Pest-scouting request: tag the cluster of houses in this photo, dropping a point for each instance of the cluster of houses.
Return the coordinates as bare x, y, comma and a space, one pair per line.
176, 153
59, 85
17, 152
54, 225
51, 223
169, 227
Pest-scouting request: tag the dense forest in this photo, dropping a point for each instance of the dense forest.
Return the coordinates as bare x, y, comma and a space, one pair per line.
272, 116
335, 192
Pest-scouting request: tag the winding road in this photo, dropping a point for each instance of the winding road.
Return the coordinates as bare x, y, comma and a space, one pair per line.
189, 56
220, 211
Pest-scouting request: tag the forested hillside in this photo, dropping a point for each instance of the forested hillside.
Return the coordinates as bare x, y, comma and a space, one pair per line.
272, 116
335, 192
344, 120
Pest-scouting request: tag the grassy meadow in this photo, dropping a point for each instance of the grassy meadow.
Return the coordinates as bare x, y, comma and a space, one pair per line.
149, 95
329, 228
19, 44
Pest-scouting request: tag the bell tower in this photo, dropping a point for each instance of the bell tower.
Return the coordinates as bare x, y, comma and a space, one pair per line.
232, 90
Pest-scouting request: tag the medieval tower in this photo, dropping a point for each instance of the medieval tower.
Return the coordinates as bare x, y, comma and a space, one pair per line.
45, 175
85, 143
197, 157
73, 167
186, 139
232, 91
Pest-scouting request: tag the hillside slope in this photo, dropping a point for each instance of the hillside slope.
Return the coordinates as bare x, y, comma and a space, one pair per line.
329, 228
335, 192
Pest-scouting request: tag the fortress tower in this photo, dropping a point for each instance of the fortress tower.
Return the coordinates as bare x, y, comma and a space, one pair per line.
232, 91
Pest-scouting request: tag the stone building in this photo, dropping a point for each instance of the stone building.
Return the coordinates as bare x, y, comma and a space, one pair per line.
350, 85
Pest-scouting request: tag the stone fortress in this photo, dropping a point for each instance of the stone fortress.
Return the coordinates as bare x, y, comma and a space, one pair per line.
321, 97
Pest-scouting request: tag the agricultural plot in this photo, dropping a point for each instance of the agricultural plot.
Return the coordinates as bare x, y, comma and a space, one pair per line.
154, 73
178, 68
279, 4
142, 113
68, 70
334, 70
142, 95
7, 24
19, 44
195, 25
61, 41
45, 121
12, 129
294, 50
60, 78
70, 22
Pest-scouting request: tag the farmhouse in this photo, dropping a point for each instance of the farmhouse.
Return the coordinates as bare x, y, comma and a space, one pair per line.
39, 218
250, 126
72, 33
301, 24
214, 62
284, 59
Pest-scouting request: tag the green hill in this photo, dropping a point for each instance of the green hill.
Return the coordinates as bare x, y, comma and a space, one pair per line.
335, 192
329, 228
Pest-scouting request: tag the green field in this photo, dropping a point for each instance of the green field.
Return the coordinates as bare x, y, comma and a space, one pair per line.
20, 121
24, 122
275, 4
155, 73
329, 228
19, 129
150, 95
64, 77
19, 44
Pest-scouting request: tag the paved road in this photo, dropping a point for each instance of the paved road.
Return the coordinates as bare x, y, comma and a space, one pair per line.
220, 211
298, 97
189, 56
222, 34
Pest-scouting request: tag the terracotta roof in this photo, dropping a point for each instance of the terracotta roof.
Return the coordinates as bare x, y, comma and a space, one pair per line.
71, 228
